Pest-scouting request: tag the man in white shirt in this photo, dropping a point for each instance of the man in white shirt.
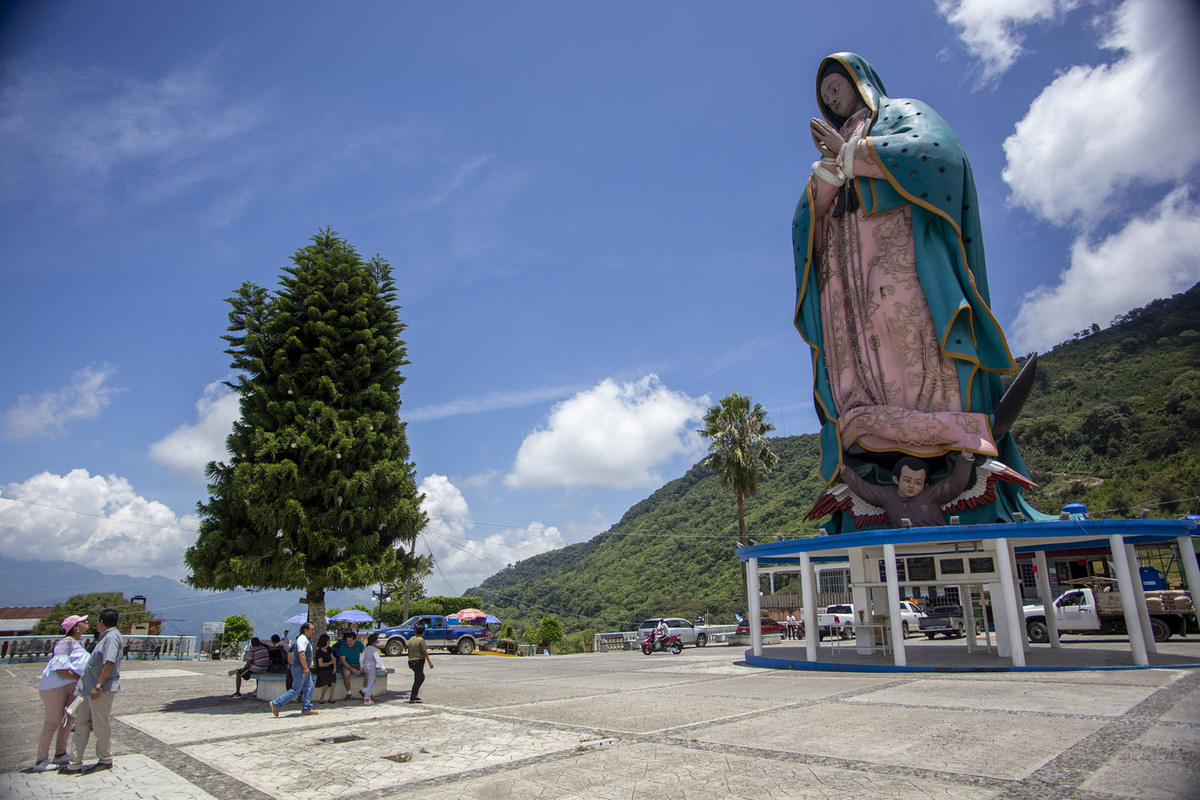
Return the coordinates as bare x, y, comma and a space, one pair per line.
661, 632
791, 626
302, 681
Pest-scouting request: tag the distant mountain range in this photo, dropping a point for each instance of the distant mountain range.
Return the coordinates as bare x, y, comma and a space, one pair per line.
182, 609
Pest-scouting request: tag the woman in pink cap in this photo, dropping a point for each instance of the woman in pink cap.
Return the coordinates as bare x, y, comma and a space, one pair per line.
56, 687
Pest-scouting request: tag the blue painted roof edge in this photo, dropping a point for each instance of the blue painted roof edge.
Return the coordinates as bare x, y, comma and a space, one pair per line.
1081, 532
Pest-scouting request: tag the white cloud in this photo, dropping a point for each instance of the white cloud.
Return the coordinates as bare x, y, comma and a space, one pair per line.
463, 559
1153, 256
990, 29
1097, 130
50, 413
99, 522
495, 401
81, 128
187, 449
612, 436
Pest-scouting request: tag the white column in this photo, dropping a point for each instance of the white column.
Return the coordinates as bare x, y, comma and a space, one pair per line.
860, 596
771, 575
1139, 594
893, 598
1187, 554
1137, 642
1012, 611
755, 611
808, 589
968, 604
1043, 582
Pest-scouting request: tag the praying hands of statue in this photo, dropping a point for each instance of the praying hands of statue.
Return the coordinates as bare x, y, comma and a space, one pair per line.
828, 141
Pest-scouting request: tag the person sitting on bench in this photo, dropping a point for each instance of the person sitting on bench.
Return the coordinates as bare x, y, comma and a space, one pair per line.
257, 660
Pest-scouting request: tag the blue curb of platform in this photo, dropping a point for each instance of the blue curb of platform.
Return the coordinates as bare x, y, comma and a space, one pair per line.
825, 666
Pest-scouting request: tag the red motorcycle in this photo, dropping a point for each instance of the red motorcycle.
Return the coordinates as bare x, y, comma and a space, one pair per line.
670, 642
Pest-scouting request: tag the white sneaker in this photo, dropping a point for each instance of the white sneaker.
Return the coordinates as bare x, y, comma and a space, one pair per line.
65, 758
45, 765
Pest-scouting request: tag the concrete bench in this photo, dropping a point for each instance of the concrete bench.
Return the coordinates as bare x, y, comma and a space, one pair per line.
274, 684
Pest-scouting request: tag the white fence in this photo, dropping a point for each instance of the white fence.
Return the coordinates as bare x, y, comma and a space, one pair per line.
14, 649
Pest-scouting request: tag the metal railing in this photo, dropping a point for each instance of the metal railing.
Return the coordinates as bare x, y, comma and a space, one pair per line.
17, 649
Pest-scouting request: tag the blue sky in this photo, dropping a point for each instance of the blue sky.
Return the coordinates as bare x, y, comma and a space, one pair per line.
587, 208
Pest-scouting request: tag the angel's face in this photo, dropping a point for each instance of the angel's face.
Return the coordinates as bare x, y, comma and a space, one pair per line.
910, 483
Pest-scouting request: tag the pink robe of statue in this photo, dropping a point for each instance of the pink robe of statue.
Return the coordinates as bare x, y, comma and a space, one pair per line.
893, 387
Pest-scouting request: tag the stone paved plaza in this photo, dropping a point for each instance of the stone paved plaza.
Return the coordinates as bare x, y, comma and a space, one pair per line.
623, 725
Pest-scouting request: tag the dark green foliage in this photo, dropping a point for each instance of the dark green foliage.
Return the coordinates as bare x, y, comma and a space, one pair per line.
318, 492
237, 629
1113, 421
91, 605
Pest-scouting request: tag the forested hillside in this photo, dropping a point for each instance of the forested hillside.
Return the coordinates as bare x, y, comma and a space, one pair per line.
1113, 421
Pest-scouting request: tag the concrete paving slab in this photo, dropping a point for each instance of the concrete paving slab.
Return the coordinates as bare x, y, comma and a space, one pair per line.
798, 687
129, 778
1161, 764
226, 721
1186, 709
959, 742
1011, 695
657, 770
142, 674
312, 765
636, 712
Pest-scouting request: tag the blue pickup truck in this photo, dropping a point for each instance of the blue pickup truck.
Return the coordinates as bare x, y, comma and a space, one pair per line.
462, 639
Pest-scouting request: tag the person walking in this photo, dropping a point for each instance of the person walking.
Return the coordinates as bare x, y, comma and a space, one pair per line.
418, 657
302, 681
57, 687
98, 686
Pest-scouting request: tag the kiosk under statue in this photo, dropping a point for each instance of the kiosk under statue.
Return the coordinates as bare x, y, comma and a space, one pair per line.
893, 301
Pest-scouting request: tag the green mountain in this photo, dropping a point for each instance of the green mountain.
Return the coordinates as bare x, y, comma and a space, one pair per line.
1113, 422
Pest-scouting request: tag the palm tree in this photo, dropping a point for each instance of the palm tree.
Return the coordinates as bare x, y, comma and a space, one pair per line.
738, 448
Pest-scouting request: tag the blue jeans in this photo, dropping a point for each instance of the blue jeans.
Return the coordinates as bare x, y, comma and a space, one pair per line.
301, 685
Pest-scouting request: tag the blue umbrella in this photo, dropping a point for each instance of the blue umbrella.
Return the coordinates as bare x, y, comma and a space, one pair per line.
491, 620
299, 619
353, 615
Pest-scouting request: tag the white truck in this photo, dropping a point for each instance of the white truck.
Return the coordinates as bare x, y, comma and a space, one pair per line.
836, 620
839, 620
1095, 607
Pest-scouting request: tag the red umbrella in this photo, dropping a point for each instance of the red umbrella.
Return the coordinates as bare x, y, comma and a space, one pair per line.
471, 613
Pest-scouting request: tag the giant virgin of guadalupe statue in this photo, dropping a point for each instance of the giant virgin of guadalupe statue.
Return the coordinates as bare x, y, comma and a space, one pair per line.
892, 299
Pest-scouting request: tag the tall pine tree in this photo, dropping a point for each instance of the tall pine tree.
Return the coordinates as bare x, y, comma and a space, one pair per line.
318, 492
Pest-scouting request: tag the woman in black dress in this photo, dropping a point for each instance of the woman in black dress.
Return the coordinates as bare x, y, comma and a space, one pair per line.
325, 662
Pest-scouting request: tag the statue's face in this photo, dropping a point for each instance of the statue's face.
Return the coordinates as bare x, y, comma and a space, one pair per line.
839, 94
910, 483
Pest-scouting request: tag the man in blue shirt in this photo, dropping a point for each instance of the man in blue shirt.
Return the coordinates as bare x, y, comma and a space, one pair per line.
349, 653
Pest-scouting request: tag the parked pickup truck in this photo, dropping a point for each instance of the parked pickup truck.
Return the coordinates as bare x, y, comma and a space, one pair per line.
947, 620
455, 638
836, 620
1095, 607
